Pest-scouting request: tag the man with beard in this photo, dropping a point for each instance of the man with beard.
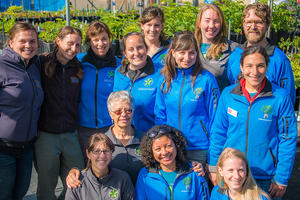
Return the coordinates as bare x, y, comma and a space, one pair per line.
256, 21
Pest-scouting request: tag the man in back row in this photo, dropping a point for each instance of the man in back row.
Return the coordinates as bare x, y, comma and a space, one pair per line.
256, 20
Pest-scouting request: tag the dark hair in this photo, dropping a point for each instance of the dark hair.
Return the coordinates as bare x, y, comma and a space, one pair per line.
261, 10
182, 41
50, 66
125, 60
150, 13
94, 139
252, 50
95, 28
18, 27
159, 131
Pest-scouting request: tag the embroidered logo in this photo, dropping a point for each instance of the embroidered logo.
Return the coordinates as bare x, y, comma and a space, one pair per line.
37, 84
111, 74
148, 82
187, 182
138, 151
162, 58
113, 194
198, 92
267, 110
74, 80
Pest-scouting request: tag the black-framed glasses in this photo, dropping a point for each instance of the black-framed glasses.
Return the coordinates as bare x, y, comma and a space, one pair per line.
160, 131
98, 152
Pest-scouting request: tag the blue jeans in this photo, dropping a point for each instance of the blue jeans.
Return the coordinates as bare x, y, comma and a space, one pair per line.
15, 174
265, 185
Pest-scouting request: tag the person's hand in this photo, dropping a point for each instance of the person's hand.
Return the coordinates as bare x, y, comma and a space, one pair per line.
213, 178
72, 179
276, 191
197, 167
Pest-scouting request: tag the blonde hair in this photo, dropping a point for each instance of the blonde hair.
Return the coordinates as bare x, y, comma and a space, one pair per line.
219, 42
250, 190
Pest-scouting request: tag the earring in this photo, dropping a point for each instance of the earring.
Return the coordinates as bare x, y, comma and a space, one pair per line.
112, 121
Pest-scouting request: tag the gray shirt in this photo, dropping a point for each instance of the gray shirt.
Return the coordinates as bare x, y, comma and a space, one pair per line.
218, 67
114, 186
128, 157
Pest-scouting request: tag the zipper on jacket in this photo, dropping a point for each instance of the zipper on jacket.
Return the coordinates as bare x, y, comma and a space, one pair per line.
179, 110
285, 128
63, 97
204, 129
249, 107
273, 157
215, 93
282, 82
31, 105
205, 196
96, 87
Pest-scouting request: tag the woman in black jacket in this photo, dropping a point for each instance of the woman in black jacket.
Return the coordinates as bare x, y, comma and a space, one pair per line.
57, 148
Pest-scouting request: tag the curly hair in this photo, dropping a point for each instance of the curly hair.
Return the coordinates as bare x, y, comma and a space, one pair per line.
159, 131
261, 10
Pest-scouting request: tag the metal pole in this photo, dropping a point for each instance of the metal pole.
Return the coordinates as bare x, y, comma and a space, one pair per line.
140, 5
68, 12
146, 3
270, 2
229, 29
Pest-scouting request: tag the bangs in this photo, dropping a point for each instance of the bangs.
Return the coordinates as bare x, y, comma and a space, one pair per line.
185, 43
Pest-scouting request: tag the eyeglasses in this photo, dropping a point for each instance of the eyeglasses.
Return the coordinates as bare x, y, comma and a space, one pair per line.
120, 111
256, 23
161, 131
98, 152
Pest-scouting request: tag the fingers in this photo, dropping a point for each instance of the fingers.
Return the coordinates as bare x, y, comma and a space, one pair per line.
276, 191
197, 167
72, 179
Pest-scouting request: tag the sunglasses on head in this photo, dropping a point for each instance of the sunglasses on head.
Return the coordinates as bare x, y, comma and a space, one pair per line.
160, 131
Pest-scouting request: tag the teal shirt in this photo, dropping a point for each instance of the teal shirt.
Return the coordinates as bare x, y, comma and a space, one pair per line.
169, 178
204, 47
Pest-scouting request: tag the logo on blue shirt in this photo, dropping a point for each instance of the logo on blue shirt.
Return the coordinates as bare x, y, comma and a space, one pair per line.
198, 92
148, 82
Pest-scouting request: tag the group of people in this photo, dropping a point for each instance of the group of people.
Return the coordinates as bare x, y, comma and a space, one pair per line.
153, 119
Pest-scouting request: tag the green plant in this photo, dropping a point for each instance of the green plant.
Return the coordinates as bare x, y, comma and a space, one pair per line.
233, 11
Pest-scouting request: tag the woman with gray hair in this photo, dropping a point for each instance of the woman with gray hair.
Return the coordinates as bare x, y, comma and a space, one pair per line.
124, 136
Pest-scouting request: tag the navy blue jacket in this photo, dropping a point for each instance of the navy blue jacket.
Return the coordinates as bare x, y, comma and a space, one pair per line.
21, 97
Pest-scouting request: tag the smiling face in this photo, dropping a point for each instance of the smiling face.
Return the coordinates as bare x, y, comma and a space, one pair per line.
254, 28
100, 157
254, 69
185, 58
210, 25
25, 44
164, 152
100, 44
135, 52
68, 47
152, 29
234, 173
121, 114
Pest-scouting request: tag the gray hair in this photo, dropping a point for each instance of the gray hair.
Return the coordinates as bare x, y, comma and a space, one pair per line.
121, 95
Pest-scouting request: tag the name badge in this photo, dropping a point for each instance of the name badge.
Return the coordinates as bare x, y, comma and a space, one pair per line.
232, 112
